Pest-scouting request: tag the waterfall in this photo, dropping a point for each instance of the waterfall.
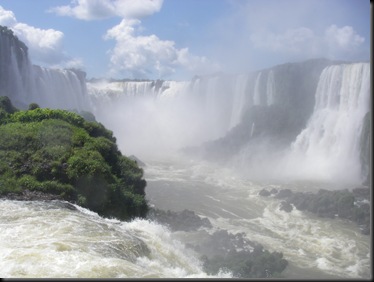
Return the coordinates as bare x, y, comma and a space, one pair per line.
270, 88
58, 88
25, 83
174, 89
257, 93
330, 142
14, 67
132, 88
239, 99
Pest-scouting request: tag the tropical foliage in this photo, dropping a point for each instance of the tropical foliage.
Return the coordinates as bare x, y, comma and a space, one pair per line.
59, 152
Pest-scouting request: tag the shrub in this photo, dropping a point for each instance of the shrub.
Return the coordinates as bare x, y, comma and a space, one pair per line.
33, 106
59, 152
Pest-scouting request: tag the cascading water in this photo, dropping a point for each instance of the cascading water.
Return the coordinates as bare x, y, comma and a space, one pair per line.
56, 239
15, 67
329, 145
270, 89
256, 92
209, 107
25, 83
195, 111
58, 88
239, 101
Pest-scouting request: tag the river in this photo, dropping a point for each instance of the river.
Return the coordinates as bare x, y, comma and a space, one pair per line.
59, 240
316, 248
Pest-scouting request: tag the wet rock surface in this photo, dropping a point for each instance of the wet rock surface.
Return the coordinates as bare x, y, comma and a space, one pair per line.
27, 195
285, 206
352, 205
185, 220
222, 250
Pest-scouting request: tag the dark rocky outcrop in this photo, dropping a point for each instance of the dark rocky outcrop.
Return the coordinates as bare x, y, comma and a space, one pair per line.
264, 193
244, 258
351, 205
27, 195
221, 249
185, 220
283, 193
285, 206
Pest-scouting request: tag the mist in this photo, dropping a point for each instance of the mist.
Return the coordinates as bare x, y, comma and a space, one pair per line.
154, 123
292, 122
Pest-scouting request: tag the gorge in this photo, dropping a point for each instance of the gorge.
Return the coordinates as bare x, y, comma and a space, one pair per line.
210, 145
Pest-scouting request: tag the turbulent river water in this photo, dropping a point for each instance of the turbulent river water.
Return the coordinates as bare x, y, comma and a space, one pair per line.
54, 239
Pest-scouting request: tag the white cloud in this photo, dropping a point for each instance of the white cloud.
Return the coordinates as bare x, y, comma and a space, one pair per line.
344, 38
7, 18
135, 55
101, 9
148, 56
45, 45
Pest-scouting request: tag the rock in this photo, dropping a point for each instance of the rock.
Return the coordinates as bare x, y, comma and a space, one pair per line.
361, 192
139, 162
264, 193
185, 220
30, 195
273, 191
285, 206
353, 205
234, 252
365, 230
284, 193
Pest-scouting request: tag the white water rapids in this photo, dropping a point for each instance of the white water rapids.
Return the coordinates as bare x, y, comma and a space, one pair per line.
48, 240
316, 248
153, 119
39, 239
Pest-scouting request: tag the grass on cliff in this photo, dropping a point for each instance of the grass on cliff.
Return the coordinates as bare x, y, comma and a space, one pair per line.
61, 153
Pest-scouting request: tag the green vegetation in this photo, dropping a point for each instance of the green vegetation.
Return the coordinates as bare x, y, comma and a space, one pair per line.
61, 153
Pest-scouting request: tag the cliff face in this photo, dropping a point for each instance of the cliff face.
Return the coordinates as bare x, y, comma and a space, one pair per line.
306, 119
279, 102
365, 151
14, 66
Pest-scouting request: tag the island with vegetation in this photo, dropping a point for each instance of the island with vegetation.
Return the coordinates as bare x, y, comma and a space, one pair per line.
62, 155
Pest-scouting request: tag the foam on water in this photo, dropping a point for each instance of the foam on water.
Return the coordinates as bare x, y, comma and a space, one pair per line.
40, 239
321, 245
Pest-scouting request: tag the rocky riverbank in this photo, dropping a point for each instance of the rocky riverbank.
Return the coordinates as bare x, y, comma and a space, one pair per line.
27, 195
352, 204
222, 250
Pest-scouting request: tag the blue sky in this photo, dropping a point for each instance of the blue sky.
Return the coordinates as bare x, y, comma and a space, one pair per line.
177, 39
